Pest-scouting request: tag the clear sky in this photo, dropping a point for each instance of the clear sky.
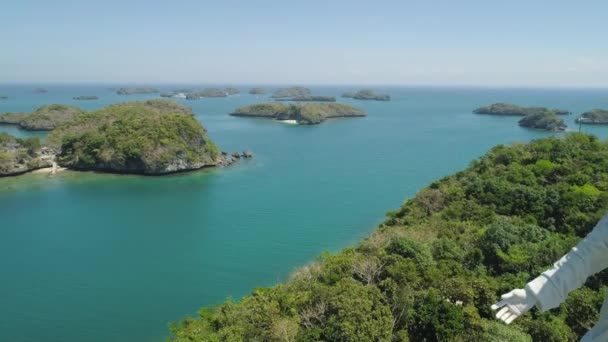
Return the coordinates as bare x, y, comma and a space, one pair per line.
465, 42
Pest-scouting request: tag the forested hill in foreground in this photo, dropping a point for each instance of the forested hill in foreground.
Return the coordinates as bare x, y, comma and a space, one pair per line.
433, 268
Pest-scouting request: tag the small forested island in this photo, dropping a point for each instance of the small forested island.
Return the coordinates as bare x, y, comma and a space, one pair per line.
257, 91
131, 91
367, 94
432, 270
291, 92
209, 92
309, 98
546, 120
511, 109
3, 97
594, 117
44, 118
231, 91
18, 156
301, 113
153, 138
89, 97
40, 90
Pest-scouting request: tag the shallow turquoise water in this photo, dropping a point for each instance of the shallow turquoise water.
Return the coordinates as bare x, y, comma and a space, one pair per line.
90, 257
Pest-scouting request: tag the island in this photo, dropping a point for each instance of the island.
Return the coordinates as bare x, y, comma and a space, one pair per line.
44, 118
302, 113
154, 137
291, 92
545, 120
209, 92
367, 94
594, 117
131, 91
257, 91
40, 91
84, 98
511, 109
309, 98
18, 156
231, 91
3, 97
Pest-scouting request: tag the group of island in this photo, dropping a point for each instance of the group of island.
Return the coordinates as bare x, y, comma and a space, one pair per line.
154, 137
542, 117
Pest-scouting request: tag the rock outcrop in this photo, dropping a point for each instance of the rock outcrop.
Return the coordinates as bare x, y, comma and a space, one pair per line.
367, 94
18, 156
302, 113
594, 117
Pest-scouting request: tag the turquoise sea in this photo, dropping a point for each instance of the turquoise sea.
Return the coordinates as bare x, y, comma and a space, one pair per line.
98, 257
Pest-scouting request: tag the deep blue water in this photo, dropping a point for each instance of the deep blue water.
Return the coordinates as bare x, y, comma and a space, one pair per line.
95, 257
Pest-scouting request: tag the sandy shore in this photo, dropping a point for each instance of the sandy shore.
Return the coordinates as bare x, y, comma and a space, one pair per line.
290, 122
50, 170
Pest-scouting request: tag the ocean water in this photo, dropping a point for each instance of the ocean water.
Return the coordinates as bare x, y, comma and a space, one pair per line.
98, 257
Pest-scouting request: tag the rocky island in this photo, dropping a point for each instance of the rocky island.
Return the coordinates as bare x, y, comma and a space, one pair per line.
155, 137
84, 98
309, 98
131, 91
302, 113
291, 92
3, 97
594, 117
44, 118
40, 91
367, 94
545, 120
257, 91
18, 156
511, 109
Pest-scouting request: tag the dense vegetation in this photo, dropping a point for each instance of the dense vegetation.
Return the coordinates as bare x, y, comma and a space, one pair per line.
545, 120
131, 91
291, 92
20, 155
152, 137
44, 118
596, 116
209, 92
310, 98
303, 113
511, 109
433, 268
367, 94
257, 91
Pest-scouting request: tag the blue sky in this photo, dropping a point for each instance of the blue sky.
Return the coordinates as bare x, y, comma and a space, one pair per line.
493, 43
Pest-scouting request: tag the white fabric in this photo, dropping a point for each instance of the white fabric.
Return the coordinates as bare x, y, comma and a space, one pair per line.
570, 272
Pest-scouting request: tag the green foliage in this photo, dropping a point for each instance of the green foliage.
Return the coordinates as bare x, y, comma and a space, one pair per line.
303, 113
155, 136
511, 109
596, 116
367, 94
433, 268
546, 120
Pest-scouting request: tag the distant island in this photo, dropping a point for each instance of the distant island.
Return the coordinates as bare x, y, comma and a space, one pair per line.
594, 117
40, 90
18, 156
257, 91
44, 118
291, 92
86, 98
131, 91
303, 113
231, 91
367, 94
545, 120
309, 98
511, 109
3, 97
153, 138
